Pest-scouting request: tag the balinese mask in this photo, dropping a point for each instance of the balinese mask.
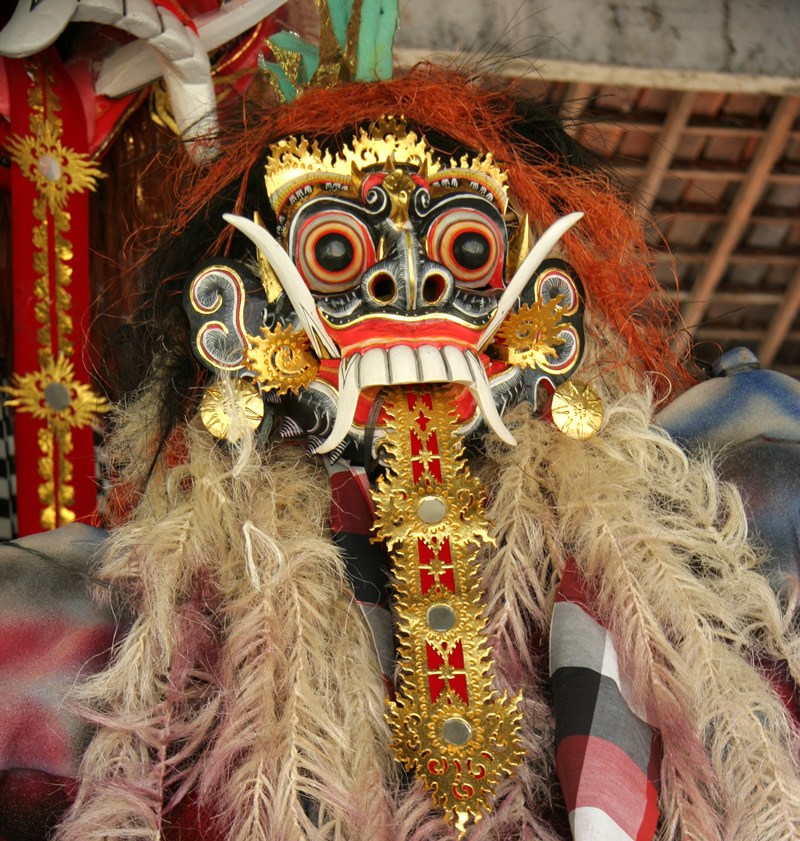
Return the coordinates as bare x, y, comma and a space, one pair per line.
395, 300
389, 266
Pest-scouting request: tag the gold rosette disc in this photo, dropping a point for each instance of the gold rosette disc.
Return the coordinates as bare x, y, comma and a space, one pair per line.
218, 410
577, 410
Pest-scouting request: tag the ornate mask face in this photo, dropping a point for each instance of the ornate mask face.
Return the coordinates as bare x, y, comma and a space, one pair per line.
390, 267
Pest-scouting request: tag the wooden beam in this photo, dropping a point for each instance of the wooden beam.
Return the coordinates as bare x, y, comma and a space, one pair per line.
727, 334
694, 211
573, 104
741, 298
664, 147
778, 327
652, 122
561, 70
743, 257
747, 196
751, 335
703, 171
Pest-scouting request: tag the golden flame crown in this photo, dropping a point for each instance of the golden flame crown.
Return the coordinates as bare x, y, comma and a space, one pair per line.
294, 161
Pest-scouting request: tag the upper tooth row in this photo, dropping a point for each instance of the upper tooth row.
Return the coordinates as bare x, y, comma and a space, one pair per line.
401, 365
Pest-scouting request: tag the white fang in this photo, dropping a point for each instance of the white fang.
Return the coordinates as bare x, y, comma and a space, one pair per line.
294, 286
403, 365
544, 245
349, 392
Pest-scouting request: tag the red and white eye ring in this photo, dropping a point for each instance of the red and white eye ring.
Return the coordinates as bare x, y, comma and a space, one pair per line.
332, 251
470, 245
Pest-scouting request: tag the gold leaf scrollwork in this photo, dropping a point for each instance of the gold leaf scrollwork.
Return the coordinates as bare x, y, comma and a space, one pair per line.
281, 359
531, 335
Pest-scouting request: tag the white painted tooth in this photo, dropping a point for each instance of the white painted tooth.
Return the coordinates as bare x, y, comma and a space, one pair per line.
431, 365
403, 367
482, 392
349, 392
374, 368
457, 367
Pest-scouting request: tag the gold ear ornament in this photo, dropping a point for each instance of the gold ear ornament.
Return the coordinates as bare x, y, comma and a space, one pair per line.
227, 412
577, 410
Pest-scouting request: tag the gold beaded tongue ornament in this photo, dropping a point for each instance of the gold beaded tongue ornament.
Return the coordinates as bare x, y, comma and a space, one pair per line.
451, 727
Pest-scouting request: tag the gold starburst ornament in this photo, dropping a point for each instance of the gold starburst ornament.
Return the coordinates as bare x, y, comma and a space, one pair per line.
52, 394
531, 335
281, 359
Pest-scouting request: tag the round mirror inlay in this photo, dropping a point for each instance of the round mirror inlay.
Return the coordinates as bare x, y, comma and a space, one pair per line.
56, 395
49, 167
431, 509
441, 617
456, 731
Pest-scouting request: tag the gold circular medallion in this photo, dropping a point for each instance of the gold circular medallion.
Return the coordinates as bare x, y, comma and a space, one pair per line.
217, 410
577, 410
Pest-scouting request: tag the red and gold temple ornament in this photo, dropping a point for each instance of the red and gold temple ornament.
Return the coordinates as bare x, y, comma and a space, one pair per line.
53, 394
50, 231
450, 725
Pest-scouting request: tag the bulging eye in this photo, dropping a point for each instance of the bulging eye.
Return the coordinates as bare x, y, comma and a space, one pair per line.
470, 245
332, 251
472, 250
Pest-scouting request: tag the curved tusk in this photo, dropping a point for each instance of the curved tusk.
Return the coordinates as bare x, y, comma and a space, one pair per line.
34, 26
482, 392
293, 284
349, 392
544, 245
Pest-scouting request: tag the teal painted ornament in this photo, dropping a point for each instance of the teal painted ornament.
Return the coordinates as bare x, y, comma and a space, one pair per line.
355, 44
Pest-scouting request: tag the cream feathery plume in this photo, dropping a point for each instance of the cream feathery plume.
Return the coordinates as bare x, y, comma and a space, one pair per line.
267, 699
663, 543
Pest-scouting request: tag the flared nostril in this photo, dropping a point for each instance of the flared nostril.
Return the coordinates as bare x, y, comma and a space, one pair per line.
434, 288
382, 288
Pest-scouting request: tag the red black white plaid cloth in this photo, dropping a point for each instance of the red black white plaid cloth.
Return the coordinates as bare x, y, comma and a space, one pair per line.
607, 755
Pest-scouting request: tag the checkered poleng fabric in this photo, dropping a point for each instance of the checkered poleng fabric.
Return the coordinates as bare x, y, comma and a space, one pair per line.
607, 755
8, 475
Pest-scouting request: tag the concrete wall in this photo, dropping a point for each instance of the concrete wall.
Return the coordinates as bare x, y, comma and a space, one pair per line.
750, 38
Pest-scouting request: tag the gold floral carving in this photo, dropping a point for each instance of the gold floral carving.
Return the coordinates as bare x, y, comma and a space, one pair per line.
57, 171
449, 724
53, 395
530, 335
281, 359
388, 142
